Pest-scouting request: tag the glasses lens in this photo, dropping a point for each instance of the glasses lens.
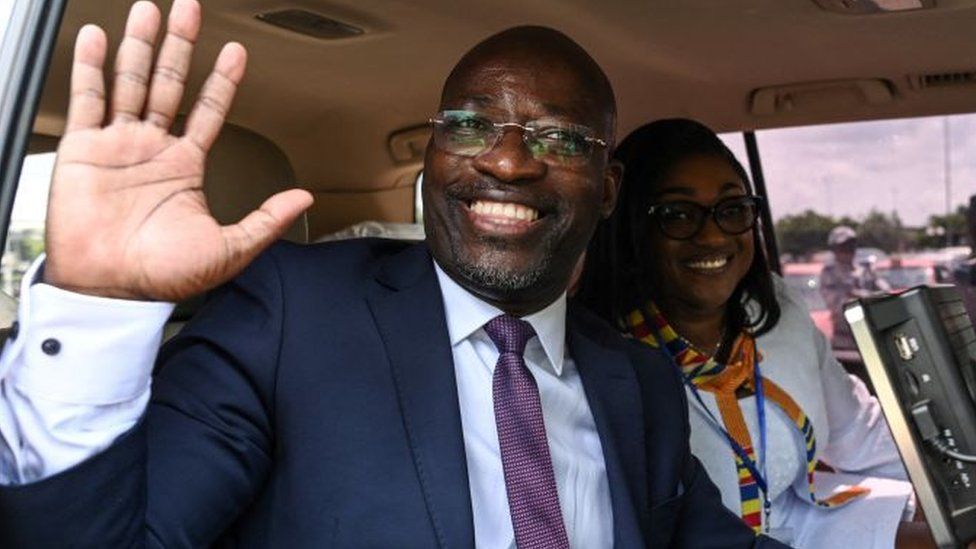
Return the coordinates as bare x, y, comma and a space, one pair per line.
561, 144
737, 215
464, 133
679, 220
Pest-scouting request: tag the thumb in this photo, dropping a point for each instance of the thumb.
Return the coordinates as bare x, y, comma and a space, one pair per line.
245, 239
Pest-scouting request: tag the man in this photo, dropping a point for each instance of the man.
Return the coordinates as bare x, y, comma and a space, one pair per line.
368, 393
842, 281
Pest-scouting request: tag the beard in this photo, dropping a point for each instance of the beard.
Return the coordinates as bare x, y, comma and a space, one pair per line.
494, 272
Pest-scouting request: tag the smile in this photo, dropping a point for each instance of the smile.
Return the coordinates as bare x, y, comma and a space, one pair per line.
504, 213
709, 264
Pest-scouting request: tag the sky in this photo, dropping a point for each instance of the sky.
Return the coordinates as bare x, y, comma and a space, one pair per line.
850, 169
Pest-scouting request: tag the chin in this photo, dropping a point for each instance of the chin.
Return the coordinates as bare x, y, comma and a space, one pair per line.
498, 272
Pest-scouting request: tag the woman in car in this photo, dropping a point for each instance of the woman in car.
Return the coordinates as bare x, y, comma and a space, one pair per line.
680, 266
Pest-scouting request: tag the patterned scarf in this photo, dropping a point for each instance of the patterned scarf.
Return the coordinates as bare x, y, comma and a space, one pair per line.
723, 380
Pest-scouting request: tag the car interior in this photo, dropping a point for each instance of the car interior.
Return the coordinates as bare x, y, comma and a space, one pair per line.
338, 93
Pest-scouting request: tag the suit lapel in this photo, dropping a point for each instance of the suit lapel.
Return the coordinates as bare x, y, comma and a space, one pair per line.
408, 310
614, 397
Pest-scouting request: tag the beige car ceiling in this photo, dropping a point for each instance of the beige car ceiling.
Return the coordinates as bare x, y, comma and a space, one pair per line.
333, 105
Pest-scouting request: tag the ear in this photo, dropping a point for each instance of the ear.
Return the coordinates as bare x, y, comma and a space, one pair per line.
612, 177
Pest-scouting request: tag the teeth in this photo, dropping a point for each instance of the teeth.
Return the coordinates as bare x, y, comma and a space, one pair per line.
505, 210
716, 263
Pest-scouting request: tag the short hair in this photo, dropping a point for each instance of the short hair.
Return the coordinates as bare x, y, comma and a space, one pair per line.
620, 266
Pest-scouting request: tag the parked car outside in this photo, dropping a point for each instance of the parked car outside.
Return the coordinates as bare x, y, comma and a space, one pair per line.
905, 272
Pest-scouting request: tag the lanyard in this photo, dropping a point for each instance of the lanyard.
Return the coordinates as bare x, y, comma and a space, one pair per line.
758, 472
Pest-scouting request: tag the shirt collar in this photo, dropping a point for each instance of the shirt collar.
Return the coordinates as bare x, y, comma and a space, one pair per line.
466, 314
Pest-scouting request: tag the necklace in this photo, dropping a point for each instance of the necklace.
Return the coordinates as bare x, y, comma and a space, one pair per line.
715, 348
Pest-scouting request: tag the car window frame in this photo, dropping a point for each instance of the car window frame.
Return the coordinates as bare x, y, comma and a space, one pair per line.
25, 54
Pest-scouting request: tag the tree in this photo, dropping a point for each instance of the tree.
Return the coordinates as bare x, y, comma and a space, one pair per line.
883, 231
803, 233
943, 229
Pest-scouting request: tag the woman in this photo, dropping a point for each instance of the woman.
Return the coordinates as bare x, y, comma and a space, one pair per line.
681, 262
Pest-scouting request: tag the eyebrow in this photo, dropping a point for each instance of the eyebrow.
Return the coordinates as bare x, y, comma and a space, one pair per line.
485, 101
689, 191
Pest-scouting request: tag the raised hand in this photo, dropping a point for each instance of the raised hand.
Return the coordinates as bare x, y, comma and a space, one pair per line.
127, 216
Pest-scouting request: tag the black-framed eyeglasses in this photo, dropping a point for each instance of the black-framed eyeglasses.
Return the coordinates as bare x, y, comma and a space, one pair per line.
684, 219
469, 133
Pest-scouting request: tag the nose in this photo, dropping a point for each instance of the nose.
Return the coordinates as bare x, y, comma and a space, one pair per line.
710, 234
509, 159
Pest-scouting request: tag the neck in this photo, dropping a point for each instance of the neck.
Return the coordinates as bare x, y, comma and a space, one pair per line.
704, 328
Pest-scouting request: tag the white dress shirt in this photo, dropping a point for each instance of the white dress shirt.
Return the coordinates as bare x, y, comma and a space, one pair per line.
59, 408
574, 444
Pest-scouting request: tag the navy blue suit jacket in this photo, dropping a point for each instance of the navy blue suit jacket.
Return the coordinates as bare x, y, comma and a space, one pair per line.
312, 403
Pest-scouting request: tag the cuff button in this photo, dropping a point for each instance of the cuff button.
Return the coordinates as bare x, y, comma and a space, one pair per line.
51, 346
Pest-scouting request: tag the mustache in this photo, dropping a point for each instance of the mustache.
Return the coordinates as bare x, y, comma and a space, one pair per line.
488, 189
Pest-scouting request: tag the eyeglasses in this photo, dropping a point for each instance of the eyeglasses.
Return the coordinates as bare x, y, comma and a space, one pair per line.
469, 133
683, 220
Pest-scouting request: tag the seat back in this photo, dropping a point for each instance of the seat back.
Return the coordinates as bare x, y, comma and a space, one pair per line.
243, 170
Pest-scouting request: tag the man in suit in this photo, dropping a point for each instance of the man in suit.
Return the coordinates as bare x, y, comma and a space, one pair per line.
366, 393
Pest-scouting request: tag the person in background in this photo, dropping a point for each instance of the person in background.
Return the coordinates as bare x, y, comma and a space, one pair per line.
842, 281
680, 267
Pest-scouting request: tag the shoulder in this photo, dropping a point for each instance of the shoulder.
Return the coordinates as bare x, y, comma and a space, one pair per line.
325, 276
325, 266
789, 299
794, 312
659, 380
347, 256
641, 355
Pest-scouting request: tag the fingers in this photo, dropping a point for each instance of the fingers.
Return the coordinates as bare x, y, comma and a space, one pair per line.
246, 239
169, 76
86, 108
134, 61
216, 96
133, 95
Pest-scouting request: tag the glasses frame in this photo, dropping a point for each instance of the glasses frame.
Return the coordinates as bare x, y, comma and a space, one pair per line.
499, 129
708, 212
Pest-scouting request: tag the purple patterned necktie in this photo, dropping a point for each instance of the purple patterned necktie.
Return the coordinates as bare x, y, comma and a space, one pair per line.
529, 480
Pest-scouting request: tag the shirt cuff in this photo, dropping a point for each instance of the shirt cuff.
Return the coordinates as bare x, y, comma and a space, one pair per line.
81, 349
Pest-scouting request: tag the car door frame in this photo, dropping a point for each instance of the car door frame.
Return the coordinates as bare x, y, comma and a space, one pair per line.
25, 53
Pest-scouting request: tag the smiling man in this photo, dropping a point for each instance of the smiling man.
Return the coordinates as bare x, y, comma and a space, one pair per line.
365, 393
519, 173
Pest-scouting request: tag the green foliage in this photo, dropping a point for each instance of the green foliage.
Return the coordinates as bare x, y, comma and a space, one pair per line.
805, 233
946, 230
882, 231
31, 247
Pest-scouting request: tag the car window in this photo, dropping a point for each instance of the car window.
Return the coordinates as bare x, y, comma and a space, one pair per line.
903, 186
25, 237
735, 142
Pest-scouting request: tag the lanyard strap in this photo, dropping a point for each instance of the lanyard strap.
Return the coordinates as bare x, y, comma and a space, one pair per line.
757, 471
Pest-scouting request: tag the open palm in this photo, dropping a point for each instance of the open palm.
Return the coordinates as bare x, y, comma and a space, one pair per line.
127, 216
